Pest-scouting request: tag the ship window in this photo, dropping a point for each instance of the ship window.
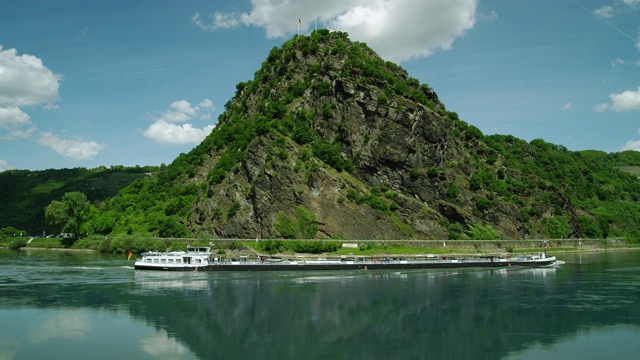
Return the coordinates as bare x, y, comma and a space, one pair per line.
163, 261
170, 261
178, 261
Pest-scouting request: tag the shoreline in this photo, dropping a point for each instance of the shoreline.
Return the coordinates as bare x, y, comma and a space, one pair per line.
381, 254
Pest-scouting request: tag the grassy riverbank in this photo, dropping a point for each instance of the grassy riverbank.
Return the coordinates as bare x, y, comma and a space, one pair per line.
324, 248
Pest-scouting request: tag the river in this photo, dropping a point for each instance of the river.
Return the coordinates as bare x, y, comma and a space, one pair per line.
66, 305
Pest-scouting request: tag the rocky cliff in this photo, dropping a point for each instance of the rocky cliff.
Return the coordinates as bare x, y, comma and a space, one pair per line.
330, 141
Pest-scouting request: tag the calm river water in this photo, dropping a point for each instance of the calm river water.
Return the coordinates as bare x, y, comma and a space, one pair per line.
61, 305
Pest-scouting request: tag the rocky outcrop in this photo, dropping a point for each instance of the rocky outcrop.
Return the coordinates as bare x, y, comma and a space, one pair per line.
367, 150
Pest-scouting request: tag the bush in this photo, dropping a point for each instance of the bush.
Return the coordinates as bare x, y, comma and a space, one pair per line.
233, 210
287, 228
480, 232
271, 246
18, 243
482, 203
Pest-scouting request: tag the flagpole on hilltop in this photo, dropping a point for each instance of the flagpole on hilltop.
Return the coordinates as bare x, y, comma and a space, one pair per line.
299, 22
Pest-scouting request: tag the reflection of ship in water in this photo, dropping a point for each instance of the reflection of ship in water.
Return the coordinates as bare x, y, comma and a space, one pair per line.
179, 281
528, 271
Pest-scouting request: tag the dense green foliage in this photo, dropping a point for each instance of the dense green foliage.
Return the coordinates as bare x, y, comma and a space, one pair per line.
304, 225
297, 246
10, 231
606, 196
292, 108
24, 194
69, 214
157, 205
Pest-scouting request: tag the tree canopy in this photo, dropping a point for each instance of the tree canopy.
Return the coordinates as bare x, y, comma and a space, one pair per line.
70, 213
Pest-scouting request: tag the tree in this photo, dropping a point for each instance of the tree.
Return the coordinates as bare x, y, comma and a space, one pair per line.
70, 213
480, 232
557, 227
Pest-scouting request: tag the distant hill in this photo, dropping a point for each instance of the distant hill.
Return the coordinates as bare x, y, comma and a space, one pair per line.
24, 194
330, 141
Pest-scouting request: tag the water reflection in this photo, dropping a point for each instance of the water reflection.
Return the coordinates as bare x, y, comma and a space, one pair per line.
617, 341
485, 313
82, 334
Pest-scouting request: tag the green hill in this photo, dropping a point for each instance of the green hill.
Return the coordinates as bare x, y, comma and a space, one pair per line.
24, 194
330, 141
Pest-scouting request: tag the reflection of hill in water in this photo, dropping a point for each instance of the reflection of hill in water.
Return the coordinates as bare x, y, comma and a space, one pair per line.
446, 314
455, 314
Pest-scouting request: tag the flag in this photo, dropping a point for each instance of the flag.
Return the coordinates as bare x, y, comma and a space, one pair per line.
299, 22
129, 255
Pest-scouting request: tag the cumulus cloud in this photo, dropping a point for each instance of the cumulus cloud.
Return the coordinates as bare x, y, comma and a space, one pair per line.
625, 101
173, 134
218, 21
632, 145
165, 130
17, 122
73, 148
397, 30
24, 81
11, 117
601, 107
4, 165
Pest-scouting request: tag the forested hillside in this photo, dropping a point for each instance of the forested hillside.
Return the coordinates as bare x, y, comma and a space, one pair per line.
330, 141
24, 194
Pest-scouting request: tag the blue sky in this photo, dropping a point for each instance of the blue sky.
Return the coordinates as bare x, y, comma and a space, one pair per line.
131, 82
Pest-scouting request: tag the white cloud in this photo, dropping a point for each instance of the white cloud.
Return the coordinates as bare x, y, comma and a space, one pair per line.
24, 81
74, 148
492, 16
165, 131
567, 106
601, 107
4, 165
625, 101
12, 117
632, 3
182, 110
19, 133
605, 12
618, 62
397, 30
172, 134
219, 21
17, 122
631, 145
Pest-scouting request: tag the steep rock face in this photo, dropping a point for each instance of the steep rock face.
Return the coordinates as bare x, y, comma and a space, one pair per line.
328, 126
